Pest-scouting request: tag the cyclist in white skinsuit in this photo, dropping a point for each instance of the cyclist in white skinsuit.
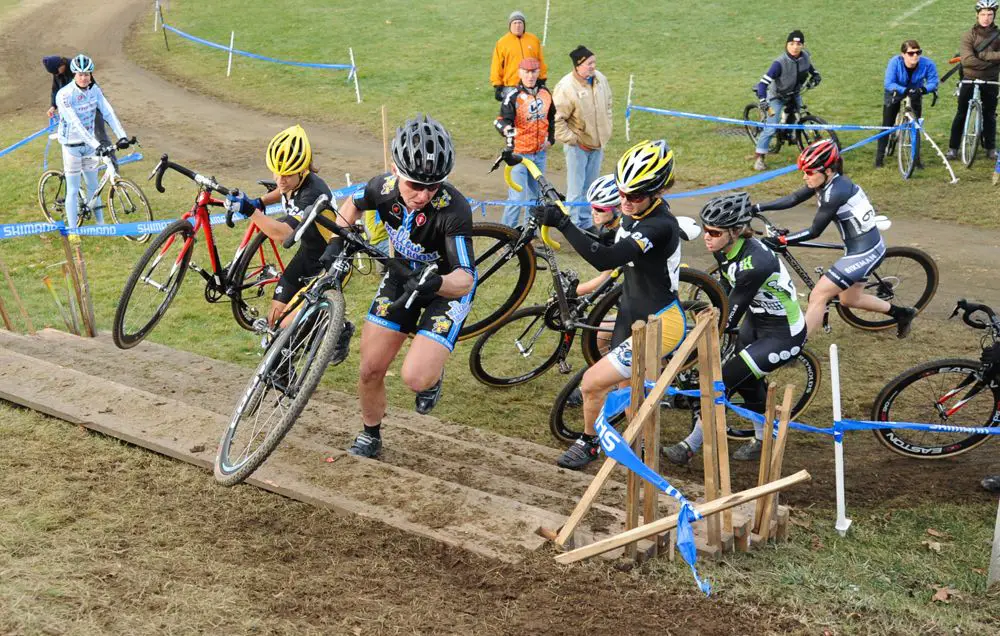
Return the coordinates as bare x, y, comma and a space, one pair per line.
78, 102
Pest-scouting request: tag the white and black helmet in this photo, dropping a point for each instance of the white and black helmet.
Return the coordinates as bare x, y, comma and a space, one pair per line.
81, 64
422, 151
986, 4
731, 210
603, 192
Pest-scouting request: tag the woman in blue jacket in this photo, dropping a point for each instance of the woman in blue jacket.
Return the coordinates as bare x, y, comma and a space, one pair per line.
908, 73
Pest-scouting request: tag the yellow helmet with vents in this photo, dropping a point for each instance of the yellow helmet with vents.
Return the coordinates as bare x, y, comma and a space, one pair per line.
289, 152
646, 168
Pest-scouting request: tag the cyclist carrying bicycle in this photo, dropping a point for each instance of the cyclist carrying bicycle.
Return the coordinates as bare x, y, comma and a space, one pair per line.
907, 75
647, 247
77, 103
844, 203
781, 84
289, 158
763, 311
429, 224
980, 51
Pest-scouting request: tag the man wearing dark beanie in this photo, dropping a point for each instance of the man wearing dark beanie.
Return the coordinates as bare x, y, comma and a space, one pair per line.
516, 45
781, 84
583, 124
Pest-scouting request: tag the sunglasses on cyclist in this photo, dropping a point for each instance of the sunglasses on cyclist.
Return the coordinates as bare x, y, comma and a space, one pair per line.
632, 198
917, 52
715, 233
603, 209
423, 187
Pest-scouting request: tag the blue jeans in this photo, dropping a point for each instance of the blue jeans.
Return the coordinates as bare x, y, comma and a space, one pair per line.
77, 161
529, 188
582, 168
777, 107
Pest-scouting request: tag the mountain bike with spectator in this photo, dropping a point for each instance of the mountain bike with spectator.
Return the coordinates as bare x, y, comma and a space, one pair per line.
793, 112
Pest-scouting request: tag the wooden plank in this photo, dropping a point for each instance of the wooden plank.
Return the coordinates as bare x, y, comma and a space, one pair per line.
764, 470
721, 430
17, 297
668, 523
777, 456
706, 378
638, 393
634, 426
651, 432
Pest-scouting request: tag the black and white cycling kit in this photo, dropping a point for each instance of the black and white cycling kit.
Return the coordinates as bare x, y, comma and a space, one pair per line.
305, 264
439, 233
843, 202
647, 247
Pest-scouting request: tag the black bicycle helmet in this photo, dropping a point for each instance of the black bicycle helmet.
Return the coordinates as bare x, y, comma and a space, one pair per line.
731, 210
422, 151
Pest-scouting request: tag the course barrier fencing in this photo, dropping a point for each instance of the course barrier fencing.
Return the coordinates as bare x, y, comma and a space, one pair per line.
230, 50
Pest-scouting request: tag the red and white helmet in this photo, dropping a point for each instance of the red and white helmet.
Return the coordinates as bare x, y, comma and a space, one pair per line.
818, 156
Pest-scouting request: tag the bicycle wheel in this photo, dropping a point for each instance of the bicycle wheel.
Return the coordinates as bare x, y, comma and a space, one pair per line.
504, 277
909, 146
906, 276
128, 204
752, 112
891, 141
805, 137
52, 195
971, 132
697, 291
929, 394
145, 299
280, 388
803, 371
516, 350
253, 277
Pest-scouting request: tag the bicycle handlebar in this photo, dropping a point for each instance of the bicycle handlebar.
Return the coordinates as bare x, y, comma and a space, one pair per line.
549, 192
968, 308
209, 183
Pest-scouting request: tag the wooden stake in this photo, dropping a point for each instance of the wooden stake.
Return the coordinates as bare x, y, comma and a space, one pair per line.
73, 307
651, 428
87, 307
637, 389
652, 401
8, 325
777, 456
764, 470
706, 378
667, 523
721, 430
62, 311
385, 138
74, 275
17, 298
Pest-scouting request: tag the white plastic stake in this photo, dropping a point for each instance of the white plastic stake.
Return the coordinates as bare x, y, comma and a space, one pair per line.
232, 39
347, 176
843, 523
628, 103
156, 16
354, 72
545, 29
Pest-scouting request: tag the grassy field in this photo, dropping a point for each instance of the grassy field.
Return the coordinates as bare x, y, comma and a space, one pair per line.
437, 59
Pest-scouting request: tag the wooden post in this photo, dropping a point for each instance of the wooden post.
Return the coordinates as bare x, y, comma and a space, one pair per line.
163, 24
651, 430
8, 325
706, 379
777, 456
73, 307
75, 276
994, 575
721, 430
764, 470
62, 311
87, 307
638, 393
17, 297
385, 138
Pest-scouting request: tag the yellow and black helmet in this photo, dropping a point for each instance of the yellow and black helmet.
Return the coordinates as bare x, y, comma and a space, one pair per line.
289, 152
645, 168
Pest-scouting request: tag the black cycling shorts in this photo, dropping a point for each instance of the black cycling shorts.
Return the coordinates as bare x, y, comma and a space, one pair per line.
297, 272
440, 320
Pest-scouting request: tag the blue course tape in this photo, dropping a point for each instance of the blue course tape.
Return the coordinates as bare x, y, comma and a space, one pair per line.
867, 425
27, 140
255, 56
745, 122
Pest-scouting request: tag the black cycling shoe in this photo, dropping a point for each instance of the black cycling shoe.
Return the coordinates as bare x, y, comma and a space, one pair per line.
366, 446
428, 398
679, 454
575, 398
749, 451
904, 321
991, 483
580, 454
343, 348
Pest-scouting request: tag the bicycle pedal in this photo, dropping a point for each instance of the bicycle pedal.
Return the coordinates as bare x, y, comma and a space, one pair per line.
565, 367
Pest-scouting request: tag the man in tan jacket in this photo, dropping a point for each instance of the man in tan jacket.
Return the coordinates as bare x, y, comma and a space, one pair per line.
980, 60
583, 124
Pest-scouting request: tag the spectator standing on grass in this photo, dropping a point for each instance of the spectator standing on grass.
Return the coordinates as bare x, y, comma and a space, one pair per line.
907, 75
583, 125
516, 45
979, 64
782, 83
527, 113
58, 67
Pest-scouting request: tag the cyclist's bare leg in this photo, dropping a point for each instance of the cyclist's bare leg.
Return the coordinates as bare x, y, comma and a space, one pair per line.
424, 363
275, 312
379, 347
855, 298
596, 382
825, 291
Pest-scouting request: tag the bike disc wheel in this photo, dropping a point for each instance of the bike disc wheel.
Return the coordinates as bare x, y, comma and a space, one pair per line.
920, 395
52, 195
128, 204
504, 277
805, 137
518, 349
282, 385
253, 277
153, 284
906, 277
752, 112
971, 132
909, 146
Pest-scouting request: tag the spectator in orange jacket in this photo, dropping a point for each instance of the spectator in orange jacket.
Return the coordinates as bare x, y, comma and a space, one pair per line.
513, 47
528, 114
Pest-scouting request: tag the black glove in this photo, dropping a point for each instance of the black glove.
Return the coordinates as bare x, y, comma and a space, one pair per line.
923, 90
332, 251
105, 150
814, 81
426, 290
913, 91
498, 93
774, 243
540, 83
763, 105
550, 215
122, 143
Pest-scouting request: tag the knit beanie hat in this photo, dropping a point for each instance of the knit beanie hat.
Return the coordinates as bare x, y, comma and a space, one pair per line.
579, 55
796, 36
515, 15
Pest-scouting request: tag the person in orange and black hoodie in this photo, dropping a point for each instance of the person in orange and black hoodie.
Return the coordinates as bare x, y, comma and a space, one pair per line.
528, 114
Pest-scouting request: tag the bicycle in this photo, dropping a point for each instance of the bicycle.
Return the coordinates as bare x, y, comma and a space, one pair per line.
296, 356
955, 393
972, 130
907, 138
125, 198
906, 275
792, 114
246, 281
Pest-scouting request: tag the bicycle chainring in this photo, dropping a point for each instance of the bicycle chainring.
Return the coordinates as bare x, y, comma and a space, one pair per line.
553, 317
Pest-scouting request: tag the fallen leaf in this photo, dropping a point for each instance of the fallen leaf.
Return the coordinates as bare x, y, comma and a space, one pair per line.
817, 545
979, 571
802, 523
944, 594
936, 533
934, 546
